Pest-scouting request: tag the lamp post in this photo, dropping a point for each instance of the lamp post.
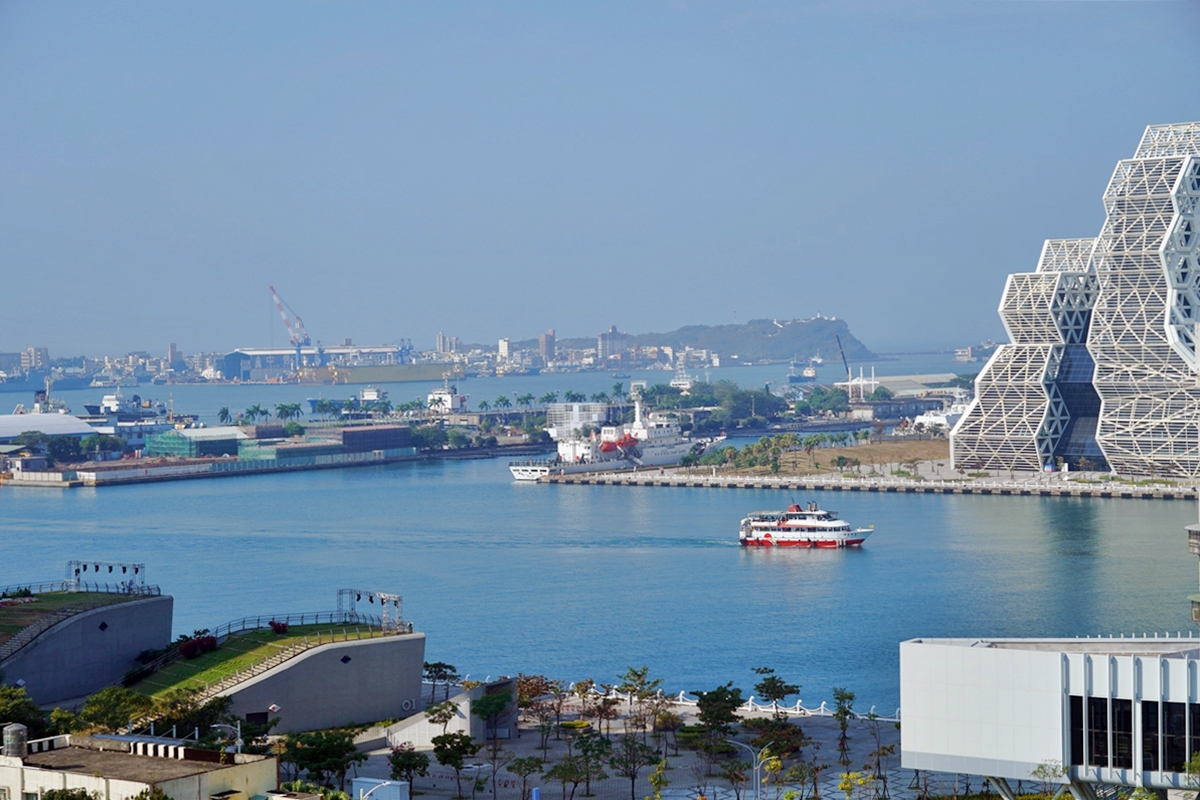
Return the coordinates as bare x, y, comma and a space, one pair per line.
757, 762
364, 796
238, 729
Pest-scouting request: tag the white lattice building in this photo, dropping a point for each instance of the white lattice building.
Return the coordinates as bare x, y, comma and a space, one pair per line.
1103, 365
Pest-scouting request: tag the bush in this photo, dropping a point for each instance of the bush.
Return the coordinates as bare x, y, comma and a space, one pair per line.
293, 429
278, 627
197, 646
576, 725
15, 593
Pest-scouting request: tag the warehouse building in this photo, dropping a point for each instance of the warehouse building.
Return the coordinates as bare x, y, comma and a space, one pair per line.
195, 442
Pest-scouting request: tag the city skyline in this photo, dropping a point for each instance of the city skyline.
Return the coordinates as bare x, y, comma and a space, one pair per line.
399, 170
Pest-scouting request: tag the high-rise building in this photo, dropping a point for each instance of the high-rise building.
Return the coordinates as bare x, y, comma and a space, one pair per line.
1102, 366
610, 343
173, 354
503, 350
443, 344
35, 358
546, 345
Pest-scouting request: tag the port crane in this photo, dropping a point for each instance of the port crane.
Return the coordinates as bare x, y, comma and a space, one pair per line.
296, 332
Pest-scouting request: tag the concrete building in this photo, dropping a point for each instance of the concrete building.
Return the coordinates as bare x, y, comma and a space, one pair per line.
1102, 366
504, 350
546, 346
82, 647
35, 358
1115, 711
117, 770
610, 343
337, 684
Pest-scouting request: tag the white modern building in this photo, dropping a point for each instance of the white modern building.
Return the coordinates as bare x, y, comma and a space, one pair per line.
1115, 711
1102, 366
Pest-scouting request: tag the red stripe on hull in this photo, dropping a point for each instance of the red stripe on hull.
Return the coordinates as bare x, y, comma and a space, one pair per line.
809, 543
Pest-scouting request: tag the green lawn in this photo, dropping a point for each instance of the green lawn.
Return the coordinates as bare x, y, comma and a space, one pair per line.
239, 651
15, 617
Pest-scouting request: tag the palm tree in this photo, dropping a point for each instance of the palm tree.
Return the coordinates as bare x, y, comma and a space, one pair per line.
503, 402
618, 391
548, 398
437, 405
574, 397
223, 415
255, 411
484, 405
600, 397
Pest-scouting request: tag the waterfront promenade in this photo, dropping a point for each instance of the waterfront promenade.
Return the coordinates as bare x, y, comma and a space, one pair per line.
1031, 485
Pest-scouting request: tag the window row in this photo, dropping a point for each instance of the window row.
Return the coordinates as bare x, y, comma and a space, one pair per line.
1102, 733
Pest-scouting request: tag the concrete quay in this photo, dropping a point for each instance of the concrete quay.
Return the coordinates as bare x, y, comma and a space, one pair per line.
1032, 487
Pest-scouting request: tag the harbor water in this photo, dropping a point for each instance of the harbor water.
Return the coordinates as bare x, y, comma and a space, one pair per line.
583, 581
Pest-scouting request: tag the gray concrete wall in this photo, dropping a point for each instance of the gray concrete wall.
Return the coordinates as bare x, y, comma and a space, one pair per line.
317, 689
86, 652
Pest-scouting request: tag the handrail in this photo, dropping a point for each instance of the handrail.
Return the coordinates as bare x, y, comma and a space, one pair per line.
82, 586
42, 624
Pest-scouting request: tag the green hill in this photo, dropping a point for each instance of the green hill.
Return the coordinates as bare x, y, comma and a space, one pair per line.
756, 340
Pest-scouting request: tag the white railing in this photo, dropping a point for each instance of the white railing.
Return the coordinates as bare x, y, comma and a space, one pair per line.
81, 586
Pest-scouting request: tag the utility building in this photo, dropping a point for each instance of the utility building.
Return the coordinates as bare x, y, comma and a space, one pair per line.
1101, 370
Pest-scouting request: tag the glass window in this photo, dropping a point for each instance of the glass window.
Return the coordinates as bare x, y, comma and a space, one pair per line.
1076, 711
1175, 737
1122, 726
1194, 720
1150, 735
1098, 731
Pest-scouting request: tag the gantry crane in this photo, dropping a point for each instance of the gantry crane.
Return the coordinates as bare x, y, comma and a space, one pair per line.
296, 332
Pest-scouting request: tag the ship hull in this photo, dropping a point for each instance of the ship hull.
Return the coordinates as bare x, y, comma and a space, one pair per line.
385, 373
811, 544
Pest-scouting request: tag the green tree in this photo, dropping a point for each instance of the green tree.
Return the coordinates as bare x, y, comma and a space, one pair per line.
31, 439
17, 706
490, 708
429, 437
102, 443
548, 398
881, 393
503, 402
440, 672
223, 415
113, 707
592, 748
718, 709
323, 755
63, 448
631, 756
524, 768
70, 794
843, 712
452, 750
574, 397
293, 429
457, 438
568, 770
441, 713
484, 405
407, 763
773, 688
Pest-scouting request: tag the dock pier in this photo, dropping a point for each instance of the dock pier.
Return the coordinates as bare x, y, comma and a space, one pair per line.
1029, 488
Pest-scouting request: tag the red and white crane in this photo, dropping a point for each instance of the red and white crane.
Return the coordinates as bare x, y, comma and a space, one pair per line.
296, 332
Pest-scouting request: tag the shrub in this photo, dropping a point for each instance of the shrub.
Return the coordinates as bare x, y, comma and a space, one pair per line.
197, 646
278, 627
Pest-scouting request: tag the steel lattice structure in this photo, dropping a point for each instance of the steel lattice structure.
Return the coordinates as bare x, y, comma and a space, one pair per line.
1020, 418
1132, 295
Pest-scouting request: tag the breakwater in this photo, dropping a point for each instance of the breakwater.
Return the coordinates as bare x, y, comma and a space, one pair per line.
1026, 488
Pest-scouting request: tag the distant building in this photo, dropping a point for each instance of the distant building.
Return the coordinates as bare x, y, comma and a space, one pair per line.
546, 346
443, 345
610, 343
35, 358
10, 363
173, 354
503, 350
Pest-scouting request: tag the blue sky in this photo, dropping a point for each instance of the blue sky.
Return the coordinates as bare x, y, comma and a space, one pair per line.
496, 169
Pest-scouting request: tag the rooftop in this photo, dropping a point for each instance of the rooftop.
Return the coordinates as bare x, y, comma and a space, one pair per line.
1173, 646
13, 425
119, 765
19, 613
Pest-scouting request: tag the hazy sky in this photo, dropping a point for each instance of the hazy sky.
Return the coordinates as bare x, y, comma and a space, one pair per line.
495, 169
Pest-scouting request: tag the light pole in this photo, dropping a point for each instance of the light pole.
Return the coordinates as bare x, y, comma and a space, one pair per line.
362, 796
757, 763
238, 729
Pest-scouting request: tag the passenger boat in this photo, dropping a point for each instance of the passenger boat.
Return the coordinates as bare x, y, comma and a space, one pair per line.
807, 526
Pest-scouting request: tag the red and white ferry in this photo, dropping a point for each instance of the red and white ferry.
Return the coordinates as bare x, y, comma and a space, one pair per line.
809, 526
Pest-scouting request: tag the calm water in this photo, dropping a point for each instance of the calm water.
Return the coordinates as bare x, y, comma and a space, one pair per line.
580, 581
